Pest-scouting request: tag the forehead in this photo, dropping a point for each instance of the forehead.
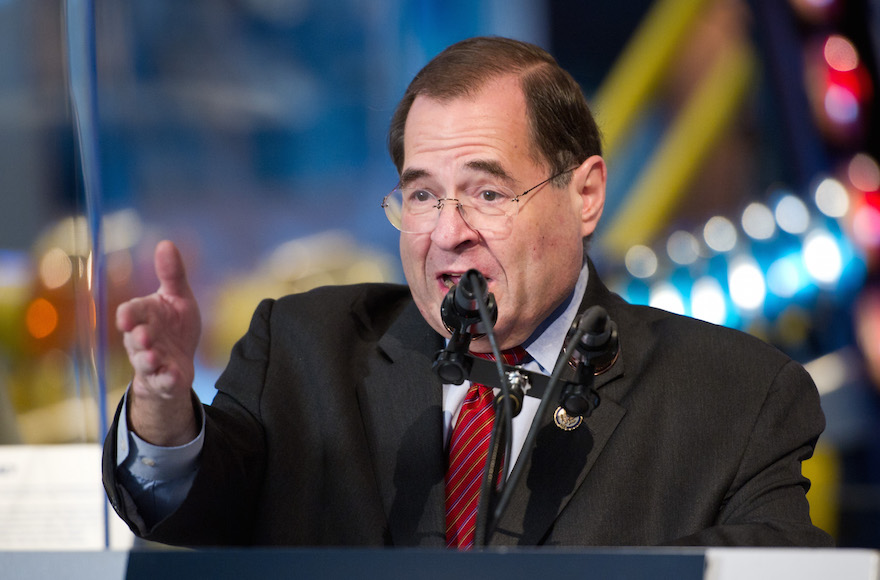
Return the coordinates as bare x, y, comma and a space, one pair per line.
463, 133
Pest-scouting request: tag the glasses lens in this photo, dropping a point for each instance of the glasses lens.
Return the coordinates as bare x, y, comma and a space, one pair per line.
488, 209
393, 208
411, 211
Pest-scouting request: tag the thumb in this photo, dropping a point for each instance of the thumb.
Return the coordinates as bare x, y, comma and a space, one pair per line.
170, 270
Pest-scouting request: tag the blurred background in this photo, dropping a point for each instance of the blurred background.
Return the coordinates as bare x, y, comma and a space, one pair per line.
741, 138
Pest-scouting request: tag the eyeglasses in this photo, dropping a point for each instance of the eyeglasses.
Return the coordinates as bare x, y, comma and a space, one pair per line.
487, 208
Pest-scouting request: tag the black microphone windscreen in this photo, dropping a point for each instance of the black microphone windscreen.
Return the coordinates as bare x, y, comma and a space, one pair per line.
467, 294
595, 324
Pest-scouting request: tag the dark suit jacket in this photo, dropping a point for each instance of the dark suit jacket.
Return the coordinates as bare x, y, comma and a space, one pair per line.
327, 430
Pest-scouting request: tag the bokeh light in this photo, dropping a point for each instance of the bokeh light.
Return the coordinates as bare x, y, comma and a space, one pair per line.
41, 318
708, 301
792, 214
641, 261
866, 226
785, 276
758, 222
746, 282
831, 198
55, 268
666, 296
841, 105
864, 173
840, 54
683, 248
720, 234
822, 257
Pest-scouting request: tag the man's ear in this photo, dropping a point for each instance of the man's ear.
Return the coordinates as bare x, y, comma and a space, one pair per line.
589, 179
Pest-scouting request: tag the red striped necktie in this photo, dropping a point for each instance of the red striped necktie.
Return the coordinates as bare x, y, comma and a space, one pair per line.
467, 457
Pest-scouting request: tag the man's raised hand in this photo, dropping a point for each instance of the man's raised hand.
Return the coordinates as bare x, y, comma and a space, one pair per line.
161, 333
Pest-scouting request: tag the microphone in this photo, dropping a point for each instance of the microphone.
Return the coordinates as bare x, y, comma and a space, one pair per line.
598, 345
460, 309
595, 351
460, 313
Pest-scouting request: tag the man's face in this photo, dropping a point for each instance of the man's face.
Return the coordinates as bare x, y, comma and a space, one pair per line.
451, 145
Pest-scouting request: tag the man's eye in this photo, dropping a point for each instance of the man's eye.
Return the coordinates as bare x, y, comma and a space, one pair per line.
490, 196
422, 196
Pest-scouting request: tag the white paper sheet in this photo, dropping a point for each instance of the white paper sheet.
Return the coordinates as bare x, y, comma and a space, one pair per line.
51, 498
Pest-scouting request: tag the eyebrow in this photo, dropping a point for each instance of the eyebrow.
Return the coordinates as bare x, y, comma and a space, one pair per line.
410, 175
491, 167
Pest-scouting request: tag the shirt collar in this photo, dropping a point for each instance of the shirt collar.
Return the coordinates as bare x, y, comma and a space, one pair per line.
545, 344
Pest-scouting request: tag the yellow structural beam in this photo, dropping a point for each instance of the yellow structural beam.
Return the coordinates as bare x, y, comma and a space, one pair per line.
708, 112
641, 66
823, 471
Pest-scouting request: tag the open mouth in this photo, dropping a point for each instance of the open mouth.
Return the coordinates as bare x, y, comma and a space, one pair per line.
450, 280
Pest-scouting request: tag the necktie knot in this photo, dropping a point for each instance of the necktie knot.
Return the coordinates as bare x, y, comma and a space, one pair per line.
512, 356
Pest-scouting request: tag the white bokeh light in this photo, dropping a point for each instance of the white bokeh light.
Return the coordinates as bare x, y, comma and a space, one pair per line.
707, 301
746, 282
720, 234
683, 248
831, 198
792, 215
56, 268
641, 261
666, 297
822, 257
758, 222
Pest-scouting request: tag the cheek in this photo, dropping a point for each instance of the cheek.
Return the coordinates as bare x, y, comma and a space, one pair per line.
522, 265
553, 253
412, 257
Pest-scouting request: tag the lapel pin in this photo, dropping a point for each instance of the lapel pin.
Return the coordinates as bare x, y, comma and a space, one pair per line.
565, 421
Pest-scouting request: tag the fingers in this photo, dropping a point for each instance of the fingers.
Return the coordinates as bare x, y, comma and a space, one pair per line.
132, 313
161, 330
157, 361
139, 342
171, 271
144, 362
138, 339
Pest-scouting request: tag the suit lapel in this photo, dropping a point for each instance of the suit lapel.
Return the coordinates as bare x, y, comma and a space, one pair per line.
400, 399
554, 471
561, 460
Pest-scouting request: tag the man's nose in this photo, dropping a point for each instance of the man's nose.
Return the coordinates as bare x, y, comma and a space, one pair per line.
452, 229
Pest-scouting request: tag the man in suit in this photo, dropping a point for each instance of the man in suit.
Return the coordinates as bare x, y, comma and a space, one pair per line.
333, 430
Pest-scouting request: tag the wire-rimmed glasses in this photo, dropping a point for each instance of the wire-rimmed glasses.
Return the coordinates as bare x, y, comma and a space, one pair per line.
488, 208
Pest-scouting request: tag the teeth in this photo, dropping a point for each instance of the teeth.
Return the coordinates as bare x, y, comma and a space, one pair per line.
450, 280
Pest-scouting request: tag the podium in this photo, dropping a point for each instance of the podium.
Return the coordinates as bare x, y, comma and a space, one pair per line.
416, 564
